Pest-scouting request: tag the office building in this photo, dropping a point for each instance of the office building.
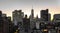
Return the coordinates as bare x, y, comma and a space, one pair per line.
26, 24
56, 18
17, 16
44, 15
4, 23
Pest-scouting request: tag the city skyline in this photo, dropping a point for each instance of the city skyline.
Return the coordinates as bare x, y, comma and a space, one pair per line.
22, 24
8, 6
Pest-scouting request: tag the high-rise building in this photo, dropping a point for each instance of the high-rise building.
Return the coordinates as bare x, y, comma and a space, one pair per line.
44, 15
0, 13
10, 24
17, 16
14, 14
18, 20
4, 23
56, 18
1, 22
32, 13
26, 24
32, 23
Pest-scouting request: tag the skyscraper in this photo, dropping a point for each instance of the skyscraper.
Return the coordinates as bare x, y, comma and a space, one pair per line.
0, 13
10, 24
32, 18
4, 23
56, 18
17, 16
44, 15
1, 22
18, 19
32, 13
26, 24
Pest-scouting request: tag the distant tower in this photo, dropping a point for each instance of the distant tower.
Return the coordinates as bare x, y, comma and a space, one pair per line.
44, 15
32, 21
32, 13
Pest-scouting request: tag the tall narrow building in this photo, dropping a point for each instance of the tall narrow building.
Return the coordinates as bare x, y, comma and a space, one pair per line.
1, 22
26, 24
32, 22
32, 13
4, 23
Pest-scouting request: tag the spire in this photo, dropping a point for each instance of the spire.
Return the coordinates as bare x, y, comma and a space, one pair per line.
32, 8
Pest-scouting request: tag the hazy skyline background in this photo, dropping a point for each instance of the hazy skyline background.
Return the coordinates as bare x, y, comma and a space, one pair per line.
8, 6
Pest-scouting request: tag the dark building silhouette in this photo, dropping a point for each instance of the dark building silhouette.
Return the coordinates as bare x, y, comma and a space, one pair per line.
0, 13
10, 24
44, 15
56, 18
32, 13
21, 24
26, 24
1, 23
5, 23
49, 17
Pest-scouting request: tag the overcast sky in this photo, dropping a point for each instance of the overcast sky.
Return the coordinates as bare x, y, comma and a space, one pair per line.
7, 6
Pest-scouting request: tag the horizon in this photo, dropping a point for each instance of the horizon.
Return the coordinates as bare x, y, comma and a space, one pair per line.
30, 13
8, 6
